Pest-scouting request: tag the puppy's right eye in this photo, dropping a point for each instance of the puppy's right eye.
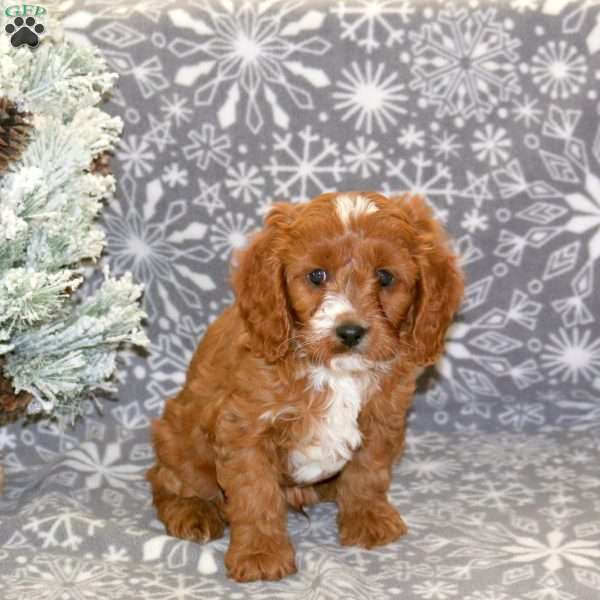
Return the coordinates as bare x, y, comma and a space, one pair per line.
317, 277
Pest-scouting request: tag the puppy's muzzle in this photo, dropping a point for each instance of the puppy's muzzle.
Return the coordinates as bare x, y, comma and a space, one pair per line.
350, 334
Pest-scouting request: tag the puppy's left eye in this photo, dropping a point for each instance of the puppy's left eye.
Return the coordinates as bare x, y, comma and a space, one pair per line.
384, 277
317, 277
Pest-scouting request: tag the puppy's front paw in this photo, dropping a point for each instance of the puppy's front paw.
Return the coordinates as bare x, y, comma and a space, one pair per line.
372, 525
251, 565
191, 519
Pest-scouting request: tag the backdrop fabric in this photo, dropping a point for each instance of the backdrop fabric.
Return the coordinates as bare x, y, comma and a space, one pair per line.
490, 111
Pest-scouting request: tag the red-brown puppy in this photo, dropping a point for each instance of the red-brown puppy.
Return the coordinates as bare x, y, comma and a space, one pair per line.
299, 391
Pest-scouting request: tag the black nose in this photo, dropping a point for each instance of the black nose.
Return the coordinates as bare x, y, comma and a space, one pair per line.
350, 334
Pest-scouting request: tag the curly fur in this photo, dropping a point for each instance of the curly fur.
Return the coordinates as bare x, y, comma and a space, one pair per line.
276, 412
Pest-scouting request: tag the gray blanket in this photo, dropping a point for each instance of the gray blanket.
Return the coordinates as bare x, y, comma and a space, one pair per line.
491, 112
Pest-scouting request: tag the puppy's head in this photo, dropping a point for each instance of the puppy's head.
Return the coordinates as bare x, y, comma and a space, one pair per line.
349, 274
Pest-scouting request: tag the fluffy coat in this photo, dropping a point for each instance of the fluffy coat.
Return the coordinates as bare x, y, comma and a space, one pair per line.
278, 408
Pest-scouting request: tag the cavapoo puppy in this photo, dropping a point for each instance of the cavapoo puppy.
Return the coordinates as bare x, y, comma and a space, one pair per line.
298, 392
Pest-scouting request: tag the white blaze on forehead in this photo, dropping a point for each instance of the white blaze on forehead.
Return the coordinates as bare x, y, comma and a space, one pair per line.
331, 308
348, 207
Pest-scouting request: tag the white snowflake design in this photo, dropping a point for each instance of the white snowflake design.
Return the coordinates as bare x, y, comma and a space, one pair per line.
370, 96
59, 524
556, 551
446, 145
363, 156
207, 146
148, 249
586, 207
491, 144
174, 175
230, 232
363, 21
254, 52
136, 155
302, 174
423, 177
411, 137
47, 577
526, 110
559, 70
103, 466
177, 109
572, 355
464, 64
245, 182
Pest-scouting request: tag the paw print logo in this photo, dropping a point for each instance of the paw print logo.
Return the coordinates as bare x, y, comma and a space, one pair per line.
24, 31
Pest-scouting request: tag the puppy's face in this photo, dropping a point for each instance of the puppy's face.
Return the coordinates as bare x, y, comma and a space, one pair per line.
350, 280
355, 275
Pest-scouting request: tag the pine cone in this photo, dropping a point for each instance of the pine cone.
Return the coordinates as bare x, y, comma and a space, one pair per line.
11, 405
14, 133
101, 164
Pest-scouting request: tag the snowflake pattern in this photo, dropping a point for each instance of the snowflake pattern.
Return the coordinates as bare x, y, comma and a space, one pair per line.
559, 70
491, 145
363, 21
255, 54
306, 168
572, 355
47, 577
55, 524
464, 63
372, 97
490, 110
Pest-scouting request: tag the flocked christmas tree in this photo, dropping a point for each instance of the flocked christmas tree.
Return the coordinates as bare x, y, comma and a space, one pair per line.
55, 349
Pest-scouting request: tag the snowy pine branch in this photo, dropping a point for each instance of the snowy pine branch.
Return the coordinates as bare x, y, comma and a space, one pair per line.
52, 347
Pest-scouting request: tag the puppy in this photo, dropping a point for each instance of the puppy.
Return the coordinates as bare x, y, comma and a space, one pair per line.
298, 392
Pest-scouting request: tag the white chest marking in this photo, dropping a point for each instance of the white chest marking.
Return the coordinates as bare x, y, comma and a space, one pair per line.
332, 442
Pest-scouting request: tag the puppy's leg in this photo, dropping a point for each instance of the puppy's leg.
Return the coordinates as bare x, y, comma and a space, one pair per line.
184, 484
366, 518
186, 517
327, 490
256, 509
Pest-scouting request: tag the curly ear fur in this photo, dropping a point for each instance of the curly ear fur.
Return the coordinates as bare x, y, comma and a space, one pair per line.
440, 285
259, 283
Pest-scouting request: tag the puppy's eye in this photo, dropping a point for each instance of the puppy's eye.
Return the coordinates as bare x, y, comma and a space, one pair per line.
317, 277
385, 278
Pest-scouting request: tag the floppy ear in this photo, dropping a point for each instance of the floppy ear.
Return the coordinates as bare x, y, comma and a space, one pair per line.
439, 287
259, 284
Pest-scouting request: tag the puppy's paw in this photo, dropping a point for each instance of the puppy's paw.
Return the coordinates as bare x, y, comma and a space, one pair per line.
371, 525
298, 497
192, 519
249, 565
